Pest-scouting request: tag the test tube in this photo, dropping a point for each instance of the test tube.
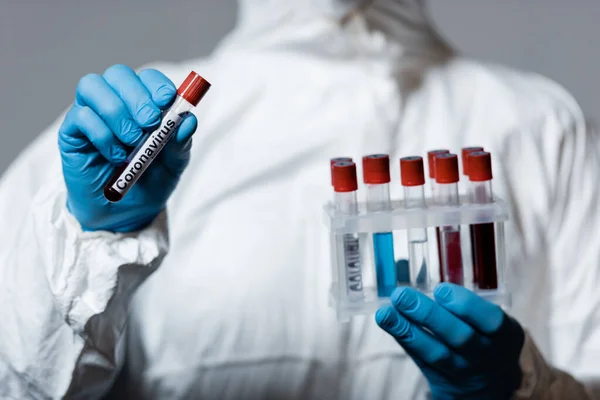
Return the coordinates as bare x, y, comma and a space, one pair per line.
483, 240
332, 237
465, 152
413, 179
446, 177
431, 166
345, 186
376, 175
189, 94
336, 160
469, 241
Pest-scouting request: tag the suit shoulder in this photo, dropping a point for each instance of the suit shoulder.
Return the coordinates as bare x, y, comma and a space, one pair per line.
518, 96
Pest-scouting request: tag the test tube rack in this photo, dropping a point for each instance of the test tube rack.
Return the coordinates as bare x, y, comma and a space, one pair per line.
365, 224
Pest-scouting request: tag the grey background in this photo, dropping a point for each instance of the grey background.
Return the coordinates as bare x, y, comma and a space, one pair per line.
46, 46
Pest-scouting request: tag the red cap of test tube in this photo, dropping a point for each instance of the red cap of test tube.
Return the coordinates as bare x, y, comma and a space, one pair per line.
376, 169
430, 160
480, 166
412, 172
193, 88
465, 159
446, 168
344, 176
335, 160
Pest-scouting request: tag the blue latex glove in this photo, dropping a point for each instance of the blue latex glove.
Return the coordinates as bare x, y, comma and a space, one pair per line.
112, 113
466, 347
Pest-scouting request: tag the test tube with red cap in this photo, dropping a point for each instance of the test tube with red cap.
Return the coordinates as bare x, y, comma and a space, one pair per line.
336, 160
468, 242
446, 177
332, 237
189, 94
345, 186
376, 175
431, 166
483, 240
413, 179
465, 151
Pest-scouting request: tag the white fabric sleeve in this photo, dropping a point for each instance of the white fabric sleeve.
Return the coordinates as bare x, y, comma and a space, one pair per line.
551, 169
540, 381
64, 296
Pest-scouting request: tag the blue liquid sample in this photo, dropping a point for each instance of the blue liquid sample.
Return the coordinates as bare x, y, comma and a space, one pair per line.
385, 265
403, 272
422, 278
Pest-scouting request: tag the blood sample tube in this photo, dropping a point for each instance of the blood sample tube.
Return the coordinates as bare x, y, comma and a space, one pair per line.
483, 239
345, 186
464, 152
413, 180
431, 166
189, 94
446, 176
376, 175
469, 241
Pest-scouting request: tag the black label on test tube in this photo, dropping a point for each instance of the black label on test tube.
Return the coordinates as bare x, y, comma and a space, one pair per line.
128, 174
352, 260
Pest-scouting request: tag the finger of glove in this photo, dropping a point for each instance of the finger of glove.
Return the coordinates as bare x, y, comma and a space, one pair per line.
482, 315
83, 126
417, 342
70, 140
93, 91
423, 311
161, 88
176, 154
134, 94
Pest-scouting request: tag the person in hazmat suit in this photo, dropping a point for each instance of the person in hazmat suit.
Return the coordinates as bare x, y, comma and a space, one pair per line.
237, 306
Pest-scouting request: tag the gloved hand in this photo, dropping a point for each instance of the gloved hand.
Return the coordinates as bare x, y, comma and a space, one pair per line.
466, 347
111, 115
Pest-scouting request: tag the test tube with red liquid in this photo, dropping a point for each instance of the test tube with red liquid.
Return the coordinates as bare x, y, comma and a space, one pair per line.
431, 166
465, 164
483, 240
447, 177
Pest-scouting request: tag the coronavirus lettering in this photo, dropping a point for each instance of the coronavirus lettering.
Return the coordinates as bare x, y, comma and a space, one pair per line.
143, 156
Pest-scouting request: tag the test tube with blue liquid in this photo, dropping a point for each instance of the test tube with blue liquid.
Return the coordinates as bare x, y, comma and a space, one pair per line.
376, 175
413, 180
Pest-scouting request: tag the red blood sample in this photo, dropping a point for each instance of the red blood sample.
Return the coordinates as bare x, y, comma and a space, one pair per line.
452, 256
483, 238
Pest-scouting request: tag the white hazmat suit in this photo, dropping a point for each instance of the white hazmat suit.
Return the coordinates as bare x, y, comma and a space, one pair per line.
238, 307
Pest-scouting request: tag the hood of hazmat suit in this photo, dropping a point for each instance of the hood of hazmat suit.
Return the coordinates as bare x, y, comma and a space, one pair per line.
238, 306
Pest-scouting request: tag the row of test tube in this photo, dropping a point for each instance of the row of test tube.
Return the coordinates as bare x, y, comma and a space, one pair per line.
444, 174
